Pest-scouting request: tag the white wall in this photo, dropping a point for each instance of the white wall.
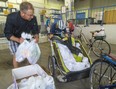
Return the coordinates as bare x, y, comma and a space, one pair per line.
2, 4
110, 31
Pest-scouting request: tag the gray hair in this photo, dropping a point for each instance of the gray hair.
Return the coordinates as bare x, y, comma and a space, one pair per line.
24, 6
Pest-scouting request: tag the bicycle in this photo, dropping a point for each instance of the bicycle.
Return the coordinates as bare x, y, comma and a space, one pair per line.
103, 73
96, 43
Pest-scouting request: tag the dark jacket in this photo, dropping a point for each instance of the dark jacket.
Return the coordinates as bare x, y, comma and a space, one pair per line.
15, 25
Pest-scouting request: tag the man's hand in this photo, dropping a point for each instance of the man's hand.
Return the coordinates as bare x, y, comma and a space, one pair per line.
21, 40
36, 37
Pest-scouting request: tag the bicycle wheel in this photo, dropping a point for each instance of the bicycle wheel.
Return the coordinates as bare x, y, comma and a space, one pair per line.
100, 45
51, 65
60, 73
55, 70
102, 75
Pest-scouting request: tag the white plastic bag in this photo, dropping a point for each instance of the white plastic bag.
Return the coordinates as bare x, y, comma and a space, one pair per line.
33, 52
29, 50
36, 83
21, 51
70, 61
101, 33
42, 81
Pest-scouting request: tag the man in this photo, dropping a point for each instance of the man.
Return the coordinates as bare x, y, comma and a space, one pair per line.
58, 28
17, 23
48, 24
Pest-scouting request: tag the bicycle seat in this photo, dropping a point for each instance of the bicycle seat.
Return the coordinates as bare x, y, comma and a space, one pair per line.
112, 56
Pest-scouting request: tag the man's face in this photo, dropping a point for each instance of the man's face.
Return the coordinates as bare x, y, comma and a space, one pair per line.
28, 15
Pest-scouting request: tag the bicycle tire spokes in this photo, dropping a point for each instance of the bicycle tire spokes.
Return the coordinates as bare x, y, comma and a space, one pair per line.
102, 75
100, 46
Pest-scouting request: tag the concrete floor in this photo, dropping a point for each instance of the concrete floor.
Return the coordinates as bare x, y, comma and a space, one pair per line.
6, 67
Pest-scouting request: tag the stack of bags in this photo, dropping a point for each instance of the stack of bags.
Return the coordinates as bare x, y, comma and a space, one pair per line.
70, 61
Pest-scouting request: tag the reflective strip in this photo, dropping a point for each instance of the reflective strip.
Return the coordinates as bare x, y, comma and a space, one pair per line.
61, 24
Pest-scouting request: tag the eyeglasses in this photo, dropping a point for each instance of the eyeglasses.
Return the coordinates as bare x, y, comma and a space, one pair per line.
30, 15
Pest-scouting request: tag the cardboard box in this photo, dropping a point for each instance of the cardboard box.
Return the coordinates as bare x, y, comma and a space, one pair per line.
26, 72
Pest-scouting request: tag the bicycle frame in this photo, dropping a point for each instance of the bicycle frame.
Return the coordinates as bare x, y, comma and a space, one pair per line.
95, 43
109, 59
85, 40
52, 49
112, 62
